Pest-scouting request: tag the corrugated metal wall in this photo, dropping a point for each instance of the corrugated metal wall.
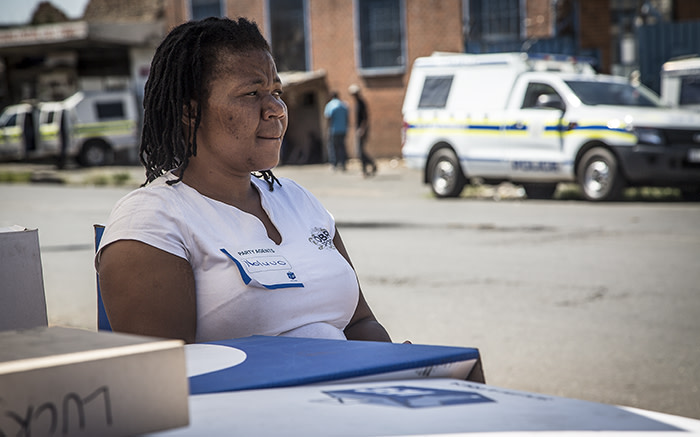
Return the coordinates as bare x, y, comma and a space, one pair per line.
558, 46
660, 42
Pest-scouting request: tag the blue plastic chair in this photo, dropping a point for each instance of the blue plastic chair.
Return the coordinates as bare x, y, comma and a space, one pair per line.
102, 320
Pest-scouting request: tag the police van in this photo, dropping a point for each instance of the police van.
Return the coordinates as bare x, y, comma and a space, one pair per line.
541, 120
94, 128
680, 83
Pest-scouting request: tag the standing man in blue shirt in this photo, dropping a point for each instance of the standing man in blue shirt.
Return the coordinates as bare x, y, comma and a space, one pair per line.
336, 112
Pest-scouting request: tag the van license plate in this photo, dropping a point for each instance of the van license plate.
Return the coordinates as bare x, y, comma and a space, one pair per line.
694, 155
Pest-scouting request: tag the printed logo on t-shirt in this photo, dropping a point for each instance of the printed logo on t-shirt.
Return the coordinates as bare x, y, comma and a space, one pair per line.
321, 238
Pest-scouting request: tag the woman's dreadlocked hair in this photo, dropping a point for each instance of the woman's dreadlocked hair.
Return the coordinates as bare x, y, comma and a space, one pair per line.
181, 69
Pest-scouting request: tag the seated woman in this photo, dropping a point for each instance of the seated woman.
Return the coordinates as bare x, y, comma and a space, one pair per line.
214, 246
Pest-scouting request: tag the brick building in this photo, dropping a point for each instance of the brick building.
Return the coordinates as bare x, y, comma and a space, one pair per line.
595, 31
686, 10
335, 31
326, 45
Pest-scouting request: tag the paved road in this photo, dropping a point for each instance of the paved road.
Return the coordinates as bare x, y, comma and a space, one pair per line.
592, 301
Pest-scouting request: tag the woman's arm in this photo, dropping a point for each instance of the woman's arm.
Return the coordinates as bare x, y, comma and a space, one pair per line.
147, 291
363, 325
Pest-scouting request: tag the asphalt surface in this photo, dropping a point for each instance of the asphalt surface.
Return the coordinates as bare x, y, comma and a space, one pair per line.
592, 301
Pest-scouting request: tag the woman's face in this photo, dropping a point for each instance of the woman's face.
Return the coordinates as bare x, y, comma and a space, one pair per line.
244, 117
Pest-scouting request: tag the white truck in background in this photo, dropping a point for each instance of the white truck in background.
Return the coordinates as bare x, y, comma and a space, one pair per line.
541, 120
94, 128
680, 83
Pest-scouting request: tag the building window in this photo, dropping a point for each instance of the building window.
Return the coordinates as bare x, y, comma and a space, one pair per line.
494, 21
380, 34
200, 9
288, 34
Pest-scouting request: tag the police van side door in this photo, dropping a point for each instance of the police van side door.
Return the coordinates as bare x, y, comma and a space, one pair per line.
49, 128
477, 109
535, 148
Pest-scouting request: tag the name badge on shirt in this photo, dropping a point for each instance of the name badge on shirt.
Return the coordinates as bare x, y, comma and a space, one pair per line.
270, 270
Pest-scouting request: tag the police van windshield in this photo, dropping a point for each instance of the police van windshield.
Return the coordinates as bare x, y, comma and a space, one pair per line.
8, 120
613, 93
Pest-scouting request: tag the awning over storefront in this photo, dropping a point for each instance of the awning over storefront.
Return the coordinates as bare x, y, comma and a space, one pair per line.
52, 61
295, 78
76, 35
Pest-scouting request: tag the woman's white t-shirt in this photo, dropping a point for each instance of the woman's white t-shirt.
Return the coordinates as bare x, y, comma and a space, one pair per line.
246, 284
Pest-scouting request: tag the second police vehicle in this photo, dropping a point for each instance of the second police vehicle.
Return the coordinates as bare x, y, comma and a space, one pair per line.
94, 128
539, 121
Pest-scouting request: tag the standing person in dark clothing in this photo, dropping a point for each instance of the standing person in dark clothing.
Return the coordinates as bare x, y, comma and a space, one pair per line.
63, 140
369, 168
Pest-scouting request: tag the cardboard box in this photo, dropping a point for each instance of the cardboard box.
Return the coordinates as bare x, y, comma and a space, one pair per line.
264, 362
22, 300
62, 381
416, 407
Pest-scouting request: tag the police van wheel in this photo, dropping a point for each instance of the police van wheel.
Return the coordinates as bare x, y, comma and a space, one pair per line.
599, 175
96, 153
445, 174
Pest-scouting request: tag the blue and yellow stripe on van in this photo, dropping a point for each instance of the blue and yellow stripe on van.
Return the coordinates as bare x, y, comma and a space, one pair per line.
454, 127
469, 127
601, 131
